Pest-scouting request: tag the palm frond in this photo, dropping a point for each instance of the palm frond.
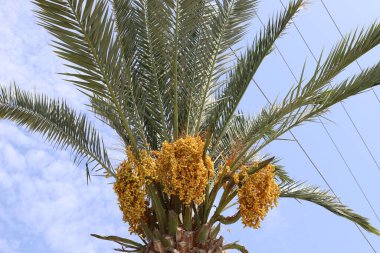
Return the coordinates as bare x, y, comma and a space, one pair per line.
348, 50
282, 175
235, 246
85, 34
305, 102
323, 198
174, 80
122, 241
188, 21
124, 12
307, 108
152, 73
59, 124
127, 31
239, 79
194, 34
231, 143
227, 25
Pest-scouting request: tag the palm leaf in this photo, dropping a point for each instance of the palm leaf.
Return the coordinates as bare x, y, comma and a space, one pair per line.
235, 246
59, 124
124, 12
152, 72
306, 102
85, 39
324, 199
239, 79
123, 241
226, 27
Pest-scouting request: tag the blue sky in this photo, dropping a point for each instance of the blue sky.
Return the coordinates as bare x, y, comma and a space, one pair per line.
45, 205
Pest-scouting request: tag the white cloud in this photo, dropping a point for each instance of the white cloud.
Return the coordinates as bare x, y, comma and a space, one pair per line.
26, 56
13, 157
50, 199
44, 195
44, 198
8, 246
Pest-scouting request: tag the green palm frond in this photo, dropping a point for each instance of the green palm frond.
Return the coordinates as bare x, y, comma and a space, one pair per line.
348, 50
306, 102
85, 34
124, 12
323, 100
59, 124
227, 25
194, 36
238, 80
190, 21
282, 175
160, 70
152, 73
235, 246
237, 130
319, 103
122, 241
323, 198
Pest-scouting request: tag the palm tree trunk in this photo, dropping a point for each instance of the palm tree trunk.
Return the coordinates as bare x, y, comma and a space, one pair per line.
185, 242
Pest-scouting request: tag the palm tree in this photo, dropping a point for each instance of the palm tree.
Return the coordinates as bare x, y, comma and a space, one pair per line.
163, 75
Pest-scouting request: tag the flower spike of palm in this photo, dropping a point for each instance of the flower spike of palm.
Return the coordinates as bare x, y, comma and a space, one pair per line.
162, 74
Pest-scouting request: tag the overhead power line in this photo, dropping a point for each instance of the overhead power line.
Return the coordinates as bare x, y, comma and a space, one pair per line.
317, 169
328, 132
344, 108
303, 149
341, 34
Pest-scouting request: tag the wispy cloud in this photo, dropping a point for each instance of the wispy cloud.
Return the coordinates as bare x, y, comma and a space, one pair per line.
46, 195
45, 205
8, 246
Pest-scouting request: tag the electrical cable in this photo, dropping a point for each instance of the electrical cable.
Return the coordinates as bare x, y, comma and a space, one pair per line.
328, 132
318, 170
304, 150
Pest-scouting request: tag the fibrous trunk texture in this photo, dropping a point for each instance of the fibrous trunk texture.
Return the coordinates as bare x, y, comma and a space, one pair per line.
185, 242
